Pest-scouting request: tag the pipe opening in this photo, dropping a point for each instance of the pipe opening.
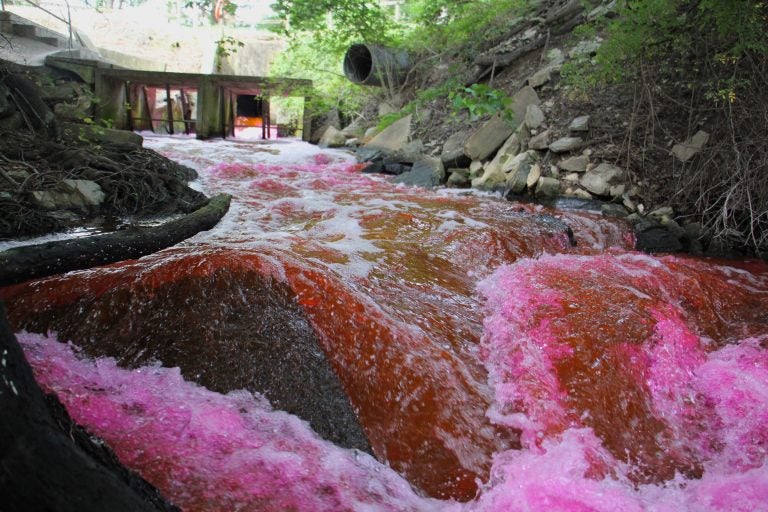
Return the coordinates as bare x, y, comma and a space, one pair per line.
358, 63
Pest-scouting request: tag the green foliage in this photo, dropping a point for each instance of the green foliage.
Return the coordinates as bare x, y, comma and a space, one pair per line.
441, 24
481, 100
334, 24
226, 46
708, 32
306, 58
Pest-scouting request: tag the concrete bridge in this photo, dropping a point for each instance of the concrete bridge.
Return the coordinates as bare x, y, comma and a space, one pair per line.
204, 105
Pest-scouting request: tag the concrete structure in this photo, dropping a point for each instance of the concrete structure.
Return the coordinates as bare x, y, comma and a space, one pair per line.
208, 105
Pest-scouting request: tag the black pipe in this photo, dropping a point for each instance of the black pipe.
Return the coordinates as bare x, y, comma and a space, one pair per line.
367, 64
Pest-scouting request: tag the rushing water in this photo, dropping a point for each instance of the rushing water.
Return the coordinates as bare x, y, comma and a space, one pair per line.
488, 359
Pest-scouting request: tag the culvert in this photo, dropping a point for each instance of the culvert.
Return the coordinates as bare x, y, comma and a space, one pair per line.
367, 64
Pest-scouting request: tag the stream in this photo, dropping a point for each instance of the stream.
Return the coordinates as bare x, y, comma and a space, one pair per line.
339, 342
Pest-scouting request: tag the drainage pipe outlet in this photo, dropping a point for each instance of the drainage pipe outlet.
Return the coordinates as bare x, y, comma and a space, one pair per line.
367, 64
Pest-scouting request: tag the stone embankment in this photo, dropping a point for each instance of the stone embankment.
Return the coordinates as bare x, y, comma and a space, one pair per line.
542, 152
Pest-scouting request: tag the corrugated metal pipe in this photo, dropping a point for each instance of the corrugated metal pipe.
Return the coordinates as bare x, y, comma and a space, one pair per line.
368, 64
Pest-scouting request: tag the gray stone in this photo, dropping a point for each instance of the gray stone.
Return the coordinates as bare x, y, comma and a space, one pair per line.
579, 124
579, 193
690, 147
664, 211
540, 78
574, 163
77, 111
355, 129
458, 178
78, 132
517, 175
613, 210
427, 172
565, 144
485, 141
89, 191
393, 137
533, 176
585, 48
540, 141
453, 149
370, 132
616, 191
547, 187
332, 138
476, 169
504, 155
598, 181
556, 57
522, 100
572, 177
534, 117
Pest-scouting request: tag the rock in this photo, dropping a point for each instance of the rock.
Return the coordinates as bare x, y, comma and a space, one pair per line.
664, 211
426, 172
534, 117
629, 204
579, 124
540, 141
554, 171
332, 138
69, 194
504, 155
540, 78
12, 122
453, 150
74, 132
585, 48
599, 180
574, 163
613, 210
547, 187
556, 57
652, 237
565, 144
352, 143
63, 92
395, 168
458, 178
355, 129
517, 175
393, 137
690, 147
89, 191
485, 141
533, 176
77, 111
616, 191
578, 193
386, 108
522, 100
573, 177
476, 169
370, 133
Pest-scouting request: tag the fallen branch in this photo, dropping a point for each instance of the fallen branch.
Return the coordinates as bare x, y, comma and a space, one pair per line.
23, 263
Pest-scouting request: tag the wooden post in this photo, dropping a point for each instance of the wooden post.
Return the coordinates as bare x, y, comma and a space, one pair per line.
169, 108
184, 112
149, 110
128, 105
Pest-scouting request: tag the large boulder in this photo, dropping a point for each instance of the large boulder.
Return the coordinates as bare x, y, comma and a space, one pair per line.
426, 172
522, 99
332, 138
599, 180
485, 141
452, 154
390, 140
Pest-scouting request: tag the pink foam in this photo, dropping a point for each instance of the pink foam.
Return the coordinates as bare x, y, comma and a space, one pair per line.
212, 452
